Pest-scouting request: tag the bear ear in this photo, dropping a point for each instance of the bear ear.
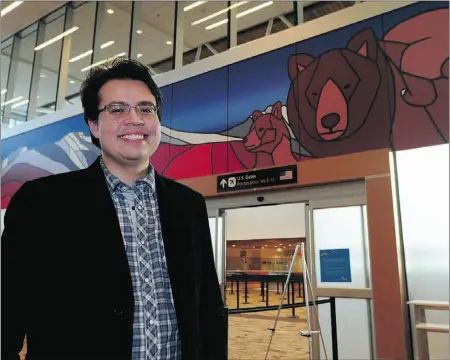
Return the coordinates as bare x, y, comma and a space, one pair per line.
364, 43
276, 110
256, 114
297, 63
363, 50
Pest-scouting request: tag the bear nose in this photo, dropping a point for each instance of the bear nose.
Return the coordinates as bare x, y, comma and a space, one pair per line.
330, 121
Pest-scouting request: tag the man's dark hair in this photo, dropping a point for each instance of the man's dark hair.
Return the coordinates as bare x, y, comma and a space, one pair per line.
120, 68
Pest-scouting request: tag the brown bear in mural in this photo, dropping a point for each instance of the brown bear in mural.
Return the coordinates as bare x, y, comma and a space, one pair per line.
374, 93
418, 52
342, 101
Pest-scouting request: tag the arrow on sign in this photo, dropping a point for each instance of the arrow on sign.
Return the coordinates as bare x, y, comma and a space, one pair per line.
223, 183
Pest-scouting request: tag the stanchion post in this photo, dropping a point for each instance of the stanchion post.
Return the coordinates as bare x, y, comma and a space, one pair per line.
237, 294
293, 300
245, 292
334, 340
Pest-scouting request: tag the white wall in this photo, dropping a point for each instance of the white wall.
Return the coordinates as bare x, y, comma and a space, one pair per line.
267, 222
424, 201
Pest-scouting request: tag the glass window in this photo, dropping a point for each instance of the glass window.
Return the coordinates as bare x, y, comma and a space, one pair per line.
22, 85
343, 229
48, 73
256, 19
354, 329
205, 29
15, 98
155, 35
5, 61
81, 50
216, 228
113, 35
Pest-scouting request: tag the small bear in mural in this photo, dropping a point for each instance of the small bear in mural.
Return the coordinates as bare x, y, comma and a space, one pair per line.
268, 139
267, 142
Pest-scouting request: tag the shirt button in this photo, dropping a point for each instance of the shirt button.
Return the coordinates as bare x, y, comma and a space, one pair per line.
143, 243
139, 207
146, 280
152, 322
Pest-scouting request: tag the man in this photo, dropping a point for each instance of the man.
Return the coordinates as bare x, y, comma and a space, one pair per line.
113, 261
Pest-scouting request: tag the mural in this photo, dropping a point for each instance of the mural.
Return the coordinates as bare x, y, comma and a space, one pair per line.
379, 83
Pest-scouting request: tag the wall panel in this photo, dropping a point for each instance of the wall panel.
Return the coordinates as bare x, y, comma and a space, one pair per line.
424, 205
161, 157
199, 126
257, 112
207, 118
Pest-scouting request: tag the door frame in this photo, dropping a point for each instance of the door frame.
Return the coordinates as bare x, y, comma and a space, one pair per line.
324, 196
359, 293
377, 170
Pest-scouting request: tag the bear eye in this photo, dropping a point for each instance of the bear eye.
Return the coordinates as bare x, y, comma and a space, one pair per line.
347, 86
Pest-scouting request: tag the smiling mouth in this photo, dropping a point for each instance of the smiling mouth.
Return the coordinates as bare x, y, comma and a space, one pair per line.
133, 137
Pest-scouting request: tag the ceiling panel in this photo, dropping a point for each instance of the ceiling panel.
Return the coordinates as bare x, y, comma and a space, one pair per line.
155, 23
25, 14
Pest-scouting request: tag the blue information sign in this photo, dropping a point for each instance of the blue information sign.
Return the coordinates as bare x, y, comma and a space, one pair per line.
335, 265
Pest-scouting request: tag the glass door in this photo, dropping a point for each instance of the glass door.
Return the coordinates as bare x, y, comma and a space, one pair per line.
218, 238
340, 268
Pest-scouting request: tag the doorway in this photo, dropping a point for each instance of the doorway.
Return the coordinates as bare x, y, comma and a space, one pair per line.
336, 240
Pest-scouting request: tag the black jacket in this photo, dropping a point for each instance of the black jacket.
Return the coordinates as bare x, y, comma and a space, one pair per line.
65, 276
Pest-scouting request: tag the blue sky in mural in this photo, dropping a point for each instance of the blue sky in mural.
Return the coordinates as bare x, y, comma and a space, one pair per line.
223, 98
45, 134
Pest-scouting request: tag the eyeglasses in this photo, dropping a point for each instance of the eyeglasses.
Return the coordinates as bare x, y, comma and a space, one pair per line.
145, 111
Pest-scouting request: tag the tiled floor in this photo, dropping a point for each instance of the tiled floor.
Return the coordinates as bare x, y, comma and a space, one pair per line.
249, 337
248, 334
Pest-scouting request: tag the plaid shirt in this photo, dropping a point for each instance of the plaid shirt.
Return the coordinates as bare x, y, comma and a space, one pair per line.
155, 330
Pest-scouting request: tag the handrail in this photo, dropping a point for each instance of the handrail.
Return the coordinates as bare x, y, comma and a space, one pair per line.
422, 327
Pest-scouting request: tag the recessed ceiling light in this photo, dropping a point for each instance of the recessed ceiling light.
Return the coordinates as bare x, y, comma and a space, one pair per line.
139, 32
191, 6
110, 11
169, 42
72, 82
10, 7
139, 55
42, 76
106, 44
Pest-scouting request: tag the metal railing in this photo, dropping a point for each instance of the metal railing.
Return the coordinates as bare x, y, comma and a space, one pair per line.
422, 327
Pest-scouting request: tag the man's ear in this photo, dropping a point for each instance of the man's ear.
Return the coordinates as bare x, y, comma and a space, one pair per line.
93, 126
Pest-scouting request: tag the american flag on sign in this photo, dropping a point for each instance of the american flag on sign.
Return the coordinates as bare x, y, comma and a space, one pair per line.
286, 175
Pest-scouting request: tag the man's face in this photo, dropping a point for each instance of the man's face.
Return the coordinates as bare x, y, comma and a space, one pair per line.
127, 137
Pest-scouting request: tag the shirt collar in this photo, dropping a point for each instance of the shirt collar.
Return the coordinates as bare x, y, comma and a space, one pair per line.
113, 181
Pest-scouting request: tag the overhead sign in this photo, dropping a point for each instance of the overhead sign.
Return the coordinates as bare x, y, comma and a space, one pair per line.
257, 179
335, 265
